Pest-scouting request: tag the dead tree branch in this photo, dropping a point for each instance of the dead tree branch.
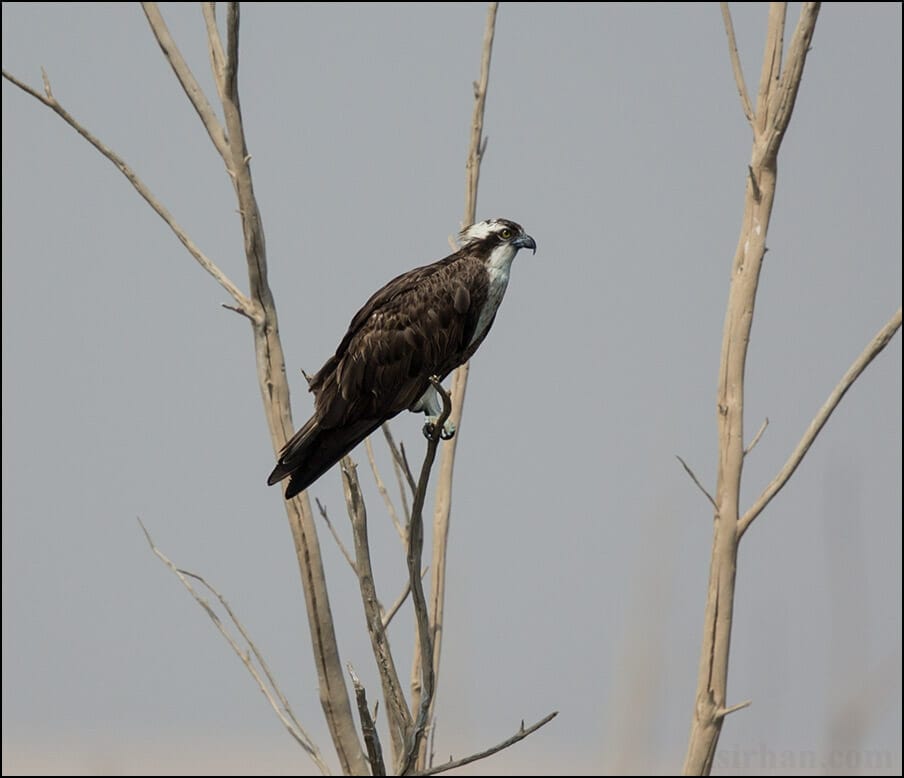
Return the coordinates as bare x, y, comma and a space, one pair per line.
266, 683
421, 613
368, 730
443, 498
260, 309
775, 100
519, 735
398, 714
872, 350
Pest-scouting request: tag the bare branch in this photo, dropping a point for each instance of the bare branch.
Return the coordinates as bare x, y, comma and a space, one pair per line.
215, 47
736, 63
186, 78
398, 456
872, 350
697, 481
442, 509
723, 712
782, 99
769, 125
244, 304
387, 617
399, 716
368, 730
260, 308
518, 736
756, 438
280, 706
348, 557
271, 369
415, 551
381, 487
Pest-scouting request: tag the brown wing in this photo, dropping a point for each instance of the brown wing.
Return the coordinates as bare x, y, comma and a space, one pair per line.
418, 325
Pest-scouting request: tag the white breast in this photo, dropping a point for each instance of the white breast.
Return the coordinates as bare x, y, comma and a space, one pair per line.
498, 267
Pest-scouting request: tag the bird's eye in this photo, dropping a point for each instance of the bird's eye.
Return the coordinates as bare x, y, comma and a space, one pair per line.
506, 233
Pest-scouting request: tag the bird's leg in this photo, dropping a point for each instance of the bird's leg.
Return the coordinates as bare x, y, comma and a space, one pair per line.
432, 406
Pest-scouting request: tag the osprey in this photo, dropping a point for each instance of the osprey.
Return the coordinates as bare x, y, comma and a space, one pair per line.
424, 323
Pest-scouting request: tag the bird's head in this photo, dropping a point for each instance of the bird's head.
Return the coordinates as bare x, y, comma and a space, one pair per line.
497, 239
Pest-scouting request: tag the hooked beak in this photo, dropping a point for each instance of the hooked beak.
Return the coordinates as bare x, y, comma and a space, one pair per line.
525, 242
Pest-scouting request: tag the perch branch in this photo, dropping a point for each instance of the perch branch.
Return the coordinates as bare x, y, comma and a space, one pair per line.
442, 509
422, 616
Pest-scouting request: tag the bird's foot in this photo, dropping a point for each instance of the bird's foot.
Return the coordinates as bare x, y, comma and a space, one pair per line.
446, 433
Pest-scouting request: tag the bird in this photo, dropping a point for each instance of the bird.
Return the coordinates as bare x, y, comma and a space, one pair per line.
417, 328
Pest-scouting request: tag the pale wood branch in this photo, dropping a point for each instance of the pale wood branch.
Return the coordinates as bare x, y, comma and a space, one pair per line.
518, 736
403, 470
769, 125
244, 304
736, 63
723, 712
321, 508
381, 487
872, 350
266, 683
215, 47
756, 438
186, 78
271, 367
398, 714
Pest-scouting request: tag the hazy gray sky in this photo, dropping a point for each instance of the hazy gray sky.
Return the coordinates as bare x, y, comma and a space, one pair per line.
579, 549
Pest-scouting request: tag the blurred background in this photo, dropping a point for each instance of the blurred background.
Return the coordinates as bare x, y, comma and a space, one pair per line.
580, 549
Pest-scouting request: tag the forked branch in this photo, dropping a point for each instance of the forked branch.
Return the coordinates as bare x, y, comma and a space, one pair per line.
264, 679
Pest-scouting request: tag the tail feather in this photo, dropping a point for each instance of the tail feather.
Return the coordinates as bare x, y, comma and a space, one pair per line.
313, 450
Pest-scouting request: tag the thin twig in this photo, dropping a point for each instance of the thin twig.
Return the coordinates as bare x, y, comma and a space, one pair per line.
244, 303
872, 350
519, 735
422, 616
381, 487
387, 617
697, 481
332, 529
215, 47
736, 63
368, 730
399, 457
186, 78
733, 708
756, 438
272, 692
